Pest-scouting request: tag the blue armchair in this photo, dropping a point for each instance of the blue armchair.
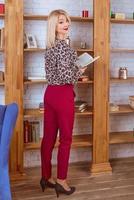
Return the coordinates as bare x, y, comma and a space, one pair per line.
8, 116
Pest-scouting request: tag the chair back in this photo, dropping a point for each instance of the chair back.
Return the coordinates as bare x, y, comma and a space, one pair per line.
8, 117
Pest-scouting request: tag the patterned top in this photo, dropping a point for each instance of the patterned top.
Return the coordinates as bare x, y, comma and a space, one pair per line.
60, 64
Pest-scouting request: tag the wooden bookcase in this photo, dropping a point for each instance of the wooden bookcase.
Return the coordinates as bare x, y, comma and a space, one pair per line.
14, 84
125, 136
78, 140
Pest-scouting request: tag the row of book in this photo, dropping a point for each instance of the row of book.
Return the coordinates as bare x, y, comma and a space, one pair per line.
31, 131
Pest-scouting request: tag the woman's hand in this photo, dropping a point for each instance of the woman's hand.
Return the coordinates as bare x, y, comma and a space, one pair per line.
83, 69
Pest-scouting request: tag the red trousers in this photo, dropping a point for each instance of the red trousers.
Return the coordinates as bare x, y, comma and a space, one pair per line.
59, 115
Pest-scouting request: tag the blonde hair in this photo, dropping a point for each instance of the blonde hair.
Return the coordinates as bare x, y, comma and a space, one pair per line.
52, 23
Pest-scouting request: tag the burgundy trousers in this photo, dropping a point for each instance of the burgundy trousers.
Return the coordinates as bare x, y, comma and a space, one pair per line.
59, 115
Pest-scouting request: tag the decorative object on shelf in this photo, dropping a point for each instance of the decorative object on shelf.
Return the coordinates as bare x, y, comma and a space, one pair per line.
24, 41
131, 101
68, 40
120, 16
2, 8
1, 76
123, 73
83, 45
41, 107
83, 78
31, 41
113, 107
2, 38
80, 106
85, 13
112, 14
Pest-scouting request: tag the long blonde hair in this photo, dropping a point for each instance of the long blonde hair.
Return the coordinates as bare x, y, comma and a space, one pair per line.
52, 23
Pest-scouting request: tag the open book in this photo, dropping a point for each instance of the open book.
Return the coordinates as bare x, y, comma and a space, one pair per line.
85, 59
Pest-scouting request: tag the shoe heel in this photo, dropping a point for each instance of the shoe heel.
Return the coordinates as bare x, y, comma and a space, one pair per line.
57, 192
43, 189
43, 185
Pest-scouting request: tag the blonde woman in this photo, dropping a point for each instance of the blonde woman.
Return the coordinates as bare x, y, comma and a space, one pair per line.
61, 73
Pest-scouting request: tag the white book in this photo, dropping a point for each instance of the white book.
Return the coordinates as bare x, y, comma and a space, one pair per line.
85, 59
36, 78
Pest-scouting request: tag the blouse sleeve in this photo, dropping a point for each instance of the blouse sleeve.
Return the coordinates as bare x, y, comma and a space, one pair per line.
50, 62
66, 66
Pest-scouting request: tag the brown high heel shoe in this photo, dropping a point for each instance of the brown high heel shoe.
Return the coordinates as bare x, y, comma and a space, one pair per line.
60, 189
45, 183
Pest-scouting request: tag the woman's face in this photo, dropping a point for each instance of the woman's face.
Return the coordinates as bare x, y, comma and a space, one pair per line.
62, 26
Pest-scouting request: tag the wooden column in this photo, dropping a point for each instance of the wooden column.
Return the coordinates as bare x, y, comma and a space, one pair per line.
14, 76
100, 162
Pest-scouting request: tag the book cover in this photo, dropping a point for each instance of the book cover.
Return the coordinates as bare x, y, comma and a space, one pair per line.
85, 59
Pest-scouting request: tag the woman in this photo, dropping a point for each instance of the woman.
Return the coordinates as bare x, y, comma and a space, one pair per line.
61, 73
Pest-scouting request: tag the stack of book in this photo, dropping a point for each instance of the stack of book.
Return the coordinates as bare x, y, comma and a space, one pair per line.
31, 131
41, 107
81, 106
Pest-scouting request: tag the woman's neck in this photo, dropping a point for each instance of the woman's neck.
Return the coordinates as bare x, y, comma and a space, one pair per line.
61, 37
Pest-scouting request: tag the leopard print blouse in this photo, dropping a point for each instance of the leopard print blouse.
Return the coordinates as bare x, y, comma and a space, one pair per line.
60, 64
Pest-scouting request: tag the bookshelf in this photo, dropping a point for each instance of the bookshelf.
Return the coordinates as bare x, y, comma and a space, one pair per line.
28, 113
122, 50
122, 137
77, 142
117, 80
31, 113
44, 17
123, 109
2, 83
15, 84
122, 21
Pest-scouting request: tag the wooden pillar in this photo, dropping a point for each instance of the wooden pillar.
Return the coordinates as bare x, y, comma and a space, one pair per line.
100, 162
14, 76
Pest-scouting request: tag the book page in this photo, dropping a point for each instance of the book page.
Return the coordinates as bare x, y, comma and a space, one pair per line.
85, 59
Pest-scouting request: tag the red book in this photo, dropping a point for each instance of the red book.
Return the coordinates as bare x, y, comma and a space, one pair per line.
2, 8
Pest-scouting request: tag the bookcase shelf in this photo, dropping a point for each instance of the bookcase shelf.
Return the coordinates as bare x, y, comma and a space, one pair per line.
122, 21
122, 137
85, 82
30, 82
86, 140
34, 50
29, 113
43, 49
117, 80
77, 141
122, 50
44, 17
123, 109
2, 16
84, 50
2, 83
14, 82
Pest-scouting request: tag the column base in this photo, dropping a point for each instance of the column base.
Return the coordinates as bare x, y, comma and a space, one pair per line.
18, 176
101, 168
